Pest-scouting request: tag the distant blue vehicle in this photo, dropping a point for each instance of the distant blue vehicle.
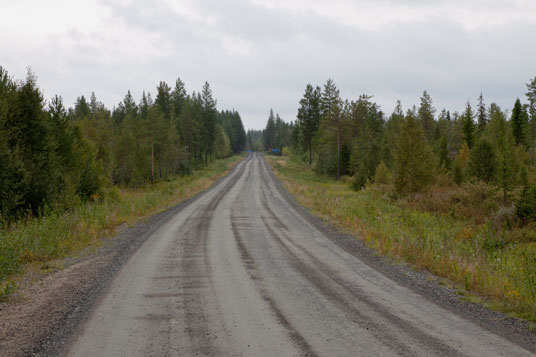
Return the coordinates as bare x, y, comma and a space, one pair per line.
250, 150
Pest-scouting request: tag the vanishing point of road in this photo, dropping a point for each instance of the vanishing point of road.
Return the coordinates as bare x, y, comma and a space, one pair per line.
242, 270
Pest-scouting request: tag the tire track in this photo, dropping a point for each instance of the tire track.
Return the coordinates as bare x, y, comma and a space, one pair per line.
196, 273
249, 264
323, 273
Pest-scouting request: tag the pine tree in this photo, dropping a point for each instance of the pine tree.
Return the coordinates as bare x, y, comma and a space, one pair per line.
163, 99
331, 109
519, 123
157, 132
190, 130
309, 117
328, 99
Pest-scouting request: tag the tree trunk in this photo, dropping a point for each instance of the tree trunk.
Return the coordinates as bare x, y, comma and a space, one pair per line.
152, 161
310, 153
338, 153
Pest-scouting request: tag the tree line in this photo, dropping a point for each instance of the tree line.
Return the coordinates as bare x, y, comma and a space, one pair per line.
411, 148
275, 136
53, 157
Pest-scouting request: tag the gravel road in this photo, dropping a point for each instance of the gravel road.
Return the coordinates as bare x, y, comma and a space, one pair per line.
242, 270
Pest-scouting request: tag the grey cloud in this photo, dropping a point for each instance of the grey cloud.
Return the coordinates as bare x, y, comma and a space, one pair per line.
283, 52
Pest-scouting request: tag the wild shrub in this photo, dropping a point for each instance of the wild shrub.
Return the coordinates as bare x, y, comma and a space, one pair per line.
383, 175
482, 161
526, 205
414, 160
474, 201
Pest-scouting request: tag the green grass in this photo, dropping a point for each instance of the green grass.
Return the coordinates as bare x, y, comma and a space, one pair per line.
36, 241
475, 256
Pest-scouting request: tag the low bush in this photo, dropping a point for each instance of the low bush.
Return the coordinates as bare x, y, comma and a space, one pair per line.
526, 205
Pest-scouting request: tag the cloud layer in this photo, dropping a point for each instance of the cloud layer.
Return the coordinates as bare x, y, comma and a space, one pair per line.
260, 54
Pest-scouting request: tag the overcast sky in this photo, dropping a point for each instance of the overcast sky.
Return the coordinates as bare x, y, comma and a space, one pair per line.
260, 54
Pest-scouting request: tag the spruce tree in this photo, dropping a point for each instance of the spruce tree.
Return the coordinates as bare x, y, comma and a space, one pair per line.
269, 132
501, 137
81, 108
12, 173
414, 160
444, 158
130, 105
392, 128
531, 97
482, 163
178, 96
61, 131
240, 133
209, 113
30, 134
426, 114
519, 122
468, 125
481, 115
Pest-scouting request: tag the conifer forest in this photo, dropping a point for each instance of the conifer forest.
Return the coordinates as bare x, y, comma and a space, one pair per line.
411, 148
53, 157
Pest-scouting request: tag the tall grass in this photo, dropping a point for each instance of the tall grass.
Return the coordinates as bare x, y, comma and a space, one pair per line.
58, 234
498, 264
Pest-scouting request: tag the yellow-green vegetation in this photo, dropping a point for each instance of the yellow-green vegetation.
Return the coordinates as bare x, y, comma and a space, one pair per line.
462, 233
35, 241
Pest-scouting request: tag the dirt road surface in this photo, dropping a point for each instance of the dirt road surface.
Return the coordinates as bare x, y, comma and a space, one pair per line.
242, 270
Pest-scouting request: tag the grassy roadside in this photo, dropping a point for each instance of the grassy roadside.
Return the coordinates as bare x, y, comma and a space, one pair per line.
477, 258
36, 241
